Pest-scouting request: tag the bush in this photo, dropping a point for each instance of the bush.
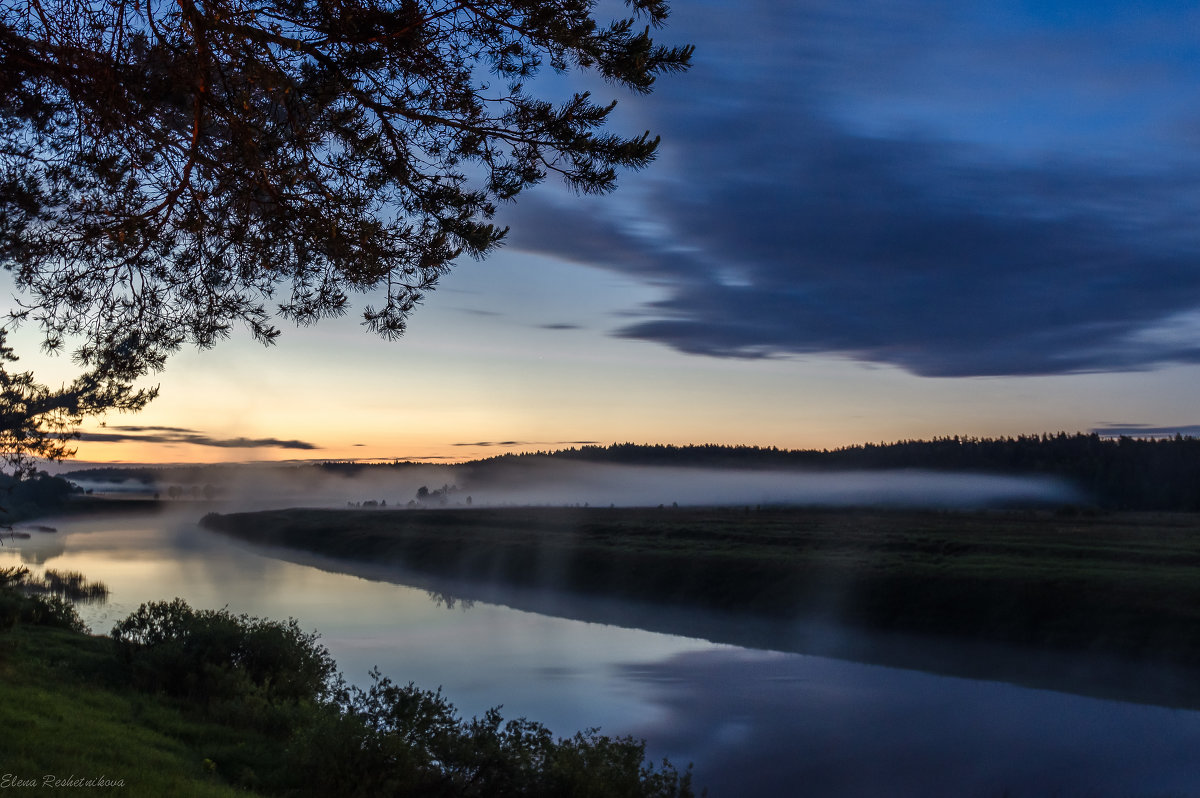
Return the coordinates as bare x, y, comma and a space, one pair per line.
313, 736
213, 655
10, 608
26, 600
53, 611
394, 740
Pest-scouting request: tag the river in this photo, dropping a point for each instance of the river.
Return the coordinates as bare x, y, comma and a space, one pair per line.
755, 722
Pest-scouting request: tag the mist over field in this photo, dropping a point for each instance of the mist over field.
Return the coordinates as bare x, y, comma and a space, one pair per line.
555, 482
558, 483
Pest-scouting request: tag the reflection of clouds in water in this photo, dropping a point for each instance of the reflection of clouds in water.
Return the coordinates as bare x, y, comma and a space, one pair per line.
40, 554
485, 656
32, 544
755, 723
152, 557
760, 723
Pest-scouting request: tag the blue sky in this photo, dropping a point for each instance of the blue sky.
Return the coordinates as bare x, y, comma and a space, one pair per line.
868, 221
957, 189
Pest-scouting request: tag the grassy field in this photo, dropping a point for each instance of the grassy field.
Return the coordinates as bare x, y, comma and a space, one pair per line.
68, 714
1121, 583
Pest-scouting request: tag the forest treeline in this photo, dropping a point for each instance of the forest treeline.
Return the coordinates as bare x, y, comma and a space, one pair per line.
21, 499
1114, 473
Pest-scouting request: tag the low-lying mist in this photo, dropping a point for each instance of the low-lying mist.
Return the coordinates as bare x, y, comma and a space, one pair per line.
549, 481
577, 483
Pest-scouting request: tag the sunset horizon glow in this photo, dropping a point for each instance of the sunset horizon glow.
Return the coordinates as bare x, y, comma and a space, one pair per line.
865, 224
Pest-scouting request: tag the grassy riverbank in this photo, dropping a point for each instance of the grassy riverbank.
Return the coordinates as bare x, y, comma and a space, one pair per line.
1123, 584
69, 713
206, 703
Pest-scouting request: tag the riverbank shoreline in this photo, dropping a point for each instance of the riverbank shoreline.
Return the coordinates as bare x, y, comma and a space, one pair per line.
1027, 597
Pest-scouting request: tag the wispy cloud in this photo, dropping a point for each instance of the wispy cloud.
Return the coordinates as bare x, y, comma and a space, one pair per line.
177, 435
479, 312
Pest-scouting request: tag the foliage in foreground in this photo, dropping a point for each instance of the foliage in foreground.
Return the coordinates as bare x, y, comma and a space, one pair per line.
222, 699
270, 678
37, 421
44, 601
169, 169
211, 656
67, 713
402, 740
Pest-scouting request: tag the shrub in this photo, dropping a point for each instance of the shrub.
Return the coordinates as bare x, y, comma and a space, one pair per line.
213, 655
52, 611
402, 740
24, 599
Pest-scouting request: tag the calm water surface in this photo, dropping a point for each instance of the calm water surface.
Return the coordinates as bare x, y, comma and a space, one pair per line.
756, 723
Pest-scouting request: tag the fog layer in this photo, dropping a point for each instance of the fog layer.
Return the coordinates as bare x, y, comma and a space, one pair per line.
556, 482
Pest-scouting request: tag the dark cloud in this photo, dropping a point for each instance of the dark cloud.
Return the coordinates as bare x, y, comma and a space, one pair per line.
1146, 430
179, 435
127, 428
896, 187
560, 327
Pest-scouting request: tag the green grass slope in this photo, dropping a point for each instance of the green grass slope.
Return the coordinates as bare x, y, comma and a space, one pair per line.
67, 716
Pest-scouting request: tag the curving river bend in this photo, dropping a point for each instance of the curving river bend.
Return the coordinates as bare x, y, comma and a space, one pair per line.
755, 722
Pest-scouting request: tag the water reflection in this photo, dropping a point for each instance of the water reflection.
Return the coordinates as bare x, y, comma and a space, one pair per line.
756, 723
484, 657
785, 724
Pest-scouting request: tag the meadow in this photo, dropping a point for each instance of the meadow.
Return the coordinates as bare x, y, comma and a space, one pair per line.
1121, 584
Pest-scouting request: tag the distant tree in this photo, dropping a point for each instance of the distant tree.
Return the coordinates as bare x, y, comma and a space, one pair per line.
41, 422
168, 166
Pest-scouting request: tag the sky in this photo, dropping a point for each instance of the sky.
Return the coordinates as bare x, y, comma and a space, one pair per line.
868, 221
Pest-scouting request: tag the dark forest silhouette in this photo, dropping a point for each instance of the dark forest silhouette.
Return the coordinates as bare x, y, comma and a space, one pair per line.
1113, 473
1116, 473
